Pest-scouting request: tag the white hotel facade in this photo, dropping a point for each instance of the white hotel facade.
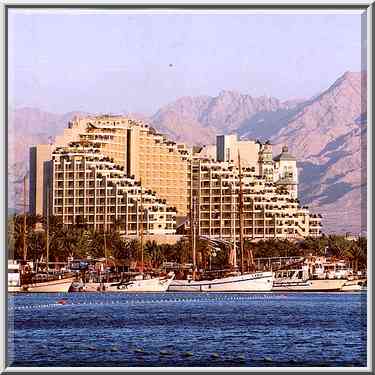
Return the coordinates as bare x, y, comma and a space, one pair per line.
115, 173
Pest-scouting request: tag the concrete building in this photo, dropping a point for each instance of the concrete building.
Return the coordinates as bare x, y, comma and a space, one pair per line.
143, 153
270, 209
89, 187
228, 147
40, 157
101, 166
286, 172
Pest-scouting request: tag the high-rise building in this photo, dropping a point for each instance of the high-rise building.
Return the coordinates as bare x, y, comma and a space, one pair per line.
270, 209
228, 147
99, 168
145, 155
89, 187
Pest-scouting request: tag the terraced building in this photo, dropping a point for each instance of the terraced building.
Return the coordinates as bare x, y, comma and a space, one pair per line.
270, 194
99, 168
91, 188
141, 152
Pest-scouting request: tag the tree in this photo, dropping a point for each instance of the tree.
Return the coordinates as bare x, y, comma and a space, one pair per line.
339, 246
314, 246
357, 254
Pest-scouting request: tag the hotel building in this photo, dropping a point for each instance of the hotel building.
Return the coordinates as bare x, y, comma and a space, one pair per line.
144, 155
91, 188
101, 167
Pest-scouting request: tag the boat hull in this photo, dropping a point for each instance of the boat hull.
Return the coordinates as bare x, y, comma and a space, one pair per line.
14, 289
55, 286
153, 285
326, 285
352, 286
257, 282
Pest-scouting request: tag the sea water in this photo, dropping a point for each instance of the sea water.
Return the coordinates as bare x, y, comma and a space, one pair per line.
187, 329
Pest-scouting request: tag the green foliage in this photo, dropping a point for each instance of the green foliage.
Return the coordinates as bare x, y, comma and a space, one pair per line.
77, 241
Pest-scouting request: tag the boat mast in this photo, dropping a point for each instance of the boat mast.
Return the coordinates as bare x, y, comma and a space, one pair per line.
141, 232
241, 210
105, 253
233, 257
193, 226
47, 229
24, 220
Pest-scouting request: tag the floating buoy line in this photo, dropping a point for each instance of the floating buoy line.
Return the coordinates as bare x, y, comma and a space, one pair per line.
65, 302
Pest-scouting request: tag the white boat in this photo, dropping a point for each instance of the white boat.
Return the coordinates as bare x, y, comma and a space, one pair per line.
294, 284
312, 276
51, 286
138, 283
354, 285
14, 277
248, 282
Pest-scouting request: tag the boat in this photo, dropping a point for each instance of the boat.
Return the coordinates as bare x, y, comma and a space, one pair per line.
141, 283
314, 274
50, 285
354, 284
294, 281
134, 282
234, 281
14, 276
22, 279
246, 282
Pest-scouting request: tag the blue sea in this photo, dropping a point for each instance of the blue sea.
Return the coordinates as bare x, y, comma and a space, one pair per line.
187, 329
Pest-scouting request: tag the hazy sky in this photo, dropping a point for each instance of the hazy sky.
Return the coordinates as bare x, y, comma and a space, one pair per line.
62, 61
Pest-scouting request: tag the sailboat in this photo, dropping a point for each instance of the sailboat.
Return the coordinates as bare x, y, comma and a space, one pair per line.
237, 281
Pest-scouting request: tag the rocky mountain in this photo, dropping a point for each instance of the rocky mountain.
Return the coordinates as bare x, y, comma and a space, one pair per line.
197, 120
327, 133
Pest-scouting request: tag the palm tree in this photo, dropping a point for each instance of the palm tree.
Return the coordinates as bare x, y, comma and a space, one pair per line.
314, 246
183, 251
95, 241
150, 249
339, 246
356, 255
15, 237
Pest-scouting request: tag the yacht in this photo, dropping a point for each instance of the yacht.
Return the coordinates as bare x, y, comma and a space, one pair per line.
295, 280
355, 283
21, 279
139, 282
50, 284
315, 274
237, 282
142, 283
